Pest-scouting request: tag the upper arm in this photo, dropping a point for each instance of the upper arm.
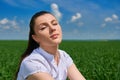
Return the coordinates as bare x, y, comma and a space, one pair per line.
40, 76
74, 74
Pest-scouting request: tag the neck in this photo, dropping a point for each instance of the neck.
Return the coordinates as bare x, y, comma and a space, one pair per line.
52, 50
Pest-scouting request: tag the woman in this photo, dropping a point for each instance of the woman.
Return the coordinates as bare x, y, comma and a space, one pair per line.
42, 59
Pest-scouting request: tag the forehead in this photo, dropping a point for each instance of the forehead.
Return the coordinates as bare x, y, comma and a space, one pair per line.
44, 18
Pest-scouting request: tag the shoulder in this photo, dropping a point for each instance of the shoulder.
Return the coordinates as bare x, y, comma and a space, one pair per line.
64, 54
34, 63
65, 57
34, 60
35, 56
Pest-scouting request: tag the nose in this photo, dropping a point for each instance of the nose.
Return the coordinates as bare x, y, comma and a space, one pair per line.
52, 28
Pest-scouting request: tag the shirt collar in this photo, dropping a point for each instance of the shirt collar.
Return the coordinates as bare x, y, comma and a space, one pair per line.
45, 54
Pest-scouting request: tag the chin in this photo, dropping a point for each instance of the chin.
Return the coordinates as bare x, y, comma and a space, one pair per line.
57, 41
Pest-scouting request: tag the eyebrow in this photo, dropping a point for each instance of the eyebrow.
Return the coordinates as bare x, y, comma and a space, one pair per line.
46, 22
53, 21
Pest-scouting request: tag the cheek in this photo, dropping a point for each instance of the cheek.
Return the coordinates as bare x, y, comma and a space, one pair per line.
60, 33
43, 36
60, 30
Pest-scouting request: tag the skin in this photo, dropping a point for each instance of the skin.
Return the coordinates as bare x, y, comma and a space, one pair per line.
48, 34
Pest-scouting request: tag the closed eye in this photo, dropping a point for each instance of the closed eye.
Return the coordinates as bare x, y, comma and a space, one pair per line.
54, 22
42, 27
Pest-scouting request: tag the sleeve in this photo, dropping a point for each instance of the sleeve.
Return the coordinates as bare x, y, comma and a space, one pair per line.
29, 67
68, 60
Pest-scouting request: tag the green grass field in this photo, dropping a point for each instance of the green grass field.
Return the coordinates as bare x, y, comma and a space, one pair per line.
96, 60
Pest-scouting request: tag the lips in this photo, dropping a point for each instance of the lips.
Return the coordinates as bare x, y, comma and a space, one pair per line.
54, 36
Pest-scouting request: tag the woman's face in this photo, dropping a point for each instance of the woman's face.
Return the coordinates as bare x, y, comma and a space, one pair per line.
47, 30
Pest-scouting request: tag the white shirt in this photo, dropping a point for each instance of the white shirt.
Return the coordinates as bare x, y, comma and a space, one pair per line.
41, 61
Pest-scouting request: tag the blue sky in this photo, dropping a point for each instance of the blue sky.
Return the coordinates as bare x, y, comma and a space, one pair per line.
79, 19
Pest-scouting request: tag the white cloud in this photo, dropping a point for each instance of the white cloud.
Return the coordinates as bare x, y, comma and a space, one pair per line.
108, 19
6, 24
111, 20
6, 27
76, 17
114, 16
55, 10
23, 3
4, 21
103, 25
11, 2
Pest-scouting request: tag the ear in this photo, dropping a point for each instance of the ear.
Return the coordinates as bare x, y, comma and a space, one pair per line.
35, 38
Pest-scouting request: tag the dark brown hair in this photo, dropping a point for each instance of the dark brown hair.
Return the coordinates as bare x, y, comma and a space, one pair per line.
31, 43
